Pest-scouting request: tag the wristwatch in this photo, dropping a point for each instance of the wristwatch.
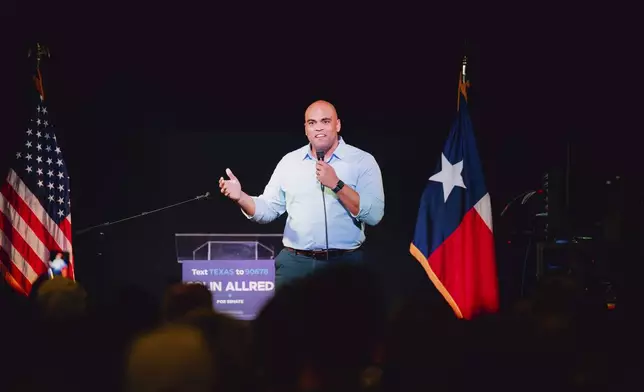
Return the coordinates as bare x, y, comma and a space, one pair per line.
339, 186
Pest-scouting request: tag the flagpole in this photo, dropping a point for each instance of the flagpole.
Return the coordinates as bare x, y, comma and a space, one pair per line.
464, 70
462, 83
40, 52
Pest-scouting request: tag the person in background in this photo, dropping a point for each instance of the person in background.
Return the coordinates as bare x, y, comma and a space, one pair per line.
58, 266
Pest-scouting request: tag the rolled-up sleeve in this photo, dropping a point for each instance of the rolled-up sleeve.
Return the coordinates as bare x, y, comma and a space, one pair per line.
271, 204
372, 195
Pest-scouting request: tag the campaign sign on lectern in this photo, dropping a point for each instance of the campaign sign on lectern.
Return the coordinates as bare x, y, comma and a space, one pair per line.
238, 269
239, 288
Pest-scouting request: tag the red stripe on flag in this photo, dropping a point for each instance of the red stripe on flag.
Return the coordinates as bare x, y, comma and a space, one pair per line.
12, 275
463, 268
20, 245
465, 264
28, 216
66, 226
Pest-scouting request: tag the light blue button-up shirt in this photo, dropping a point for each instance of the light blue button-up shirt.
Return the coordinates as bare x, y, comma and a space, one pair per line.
294, 188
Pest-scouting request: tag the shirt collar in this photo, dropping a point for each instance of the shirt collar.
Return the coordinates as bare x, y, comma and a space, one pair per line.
338, 153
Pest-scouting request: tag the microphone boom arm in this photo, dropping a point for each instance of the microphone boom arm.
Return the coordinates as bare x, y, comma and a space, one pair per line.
106, 224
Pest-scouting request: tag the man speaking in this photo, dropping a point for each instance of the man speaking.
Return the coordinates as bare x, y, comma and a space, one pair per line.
329, 189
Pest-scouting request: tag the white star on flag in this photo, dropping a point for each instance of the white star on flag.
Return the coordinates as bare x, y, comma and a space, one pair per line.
449, 176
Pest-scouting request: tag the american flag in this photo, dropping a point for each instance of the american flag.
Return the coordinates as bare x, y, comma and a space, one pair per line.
35, 202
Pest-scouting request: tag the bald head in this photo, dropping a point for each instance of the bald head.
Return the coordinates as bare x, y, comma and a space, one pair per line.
322, 125
321, 105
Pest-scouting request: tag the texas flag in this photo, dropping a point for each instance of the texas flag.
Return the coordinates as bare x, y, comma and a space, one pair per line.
453, 240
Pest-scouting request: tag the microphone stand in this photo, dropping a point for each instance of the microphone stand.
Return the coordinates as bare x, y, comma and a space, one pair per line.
320, 156
326, 226
145, 213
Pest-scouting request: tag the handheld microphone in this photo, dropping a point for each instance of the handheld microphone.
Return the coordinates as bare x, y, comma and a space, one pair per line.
320, 155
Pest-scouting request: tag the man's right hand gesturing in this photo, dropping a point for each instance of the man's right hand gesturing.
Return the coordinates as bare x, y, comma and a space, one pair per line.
230, 188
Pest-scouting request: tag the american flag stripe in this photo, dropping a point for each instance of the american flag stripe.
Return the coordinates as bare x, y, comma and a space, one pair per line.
19, 262
10, 272
35, 208
34, 262
27, 232
32, 211
66, 228
35, 235
24, 195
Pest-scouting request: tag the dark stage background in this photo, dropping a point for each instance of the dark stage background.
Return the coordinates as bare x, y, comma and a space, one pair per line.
152, 104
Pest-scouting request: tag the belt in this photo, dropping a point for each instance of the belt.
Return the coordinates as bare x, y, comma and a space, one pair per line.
320, 254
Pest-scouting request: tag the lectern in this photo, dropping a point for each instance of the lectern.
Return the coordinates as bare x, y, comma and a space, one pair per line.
239, 269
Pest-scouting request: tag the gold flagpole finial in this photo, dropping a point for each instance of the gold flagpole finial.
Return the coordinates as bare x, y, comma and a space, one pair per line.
40, 52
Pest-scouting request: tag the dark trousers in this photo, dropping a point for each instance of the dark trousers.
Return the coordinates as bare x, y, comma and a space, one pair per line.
290, 266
